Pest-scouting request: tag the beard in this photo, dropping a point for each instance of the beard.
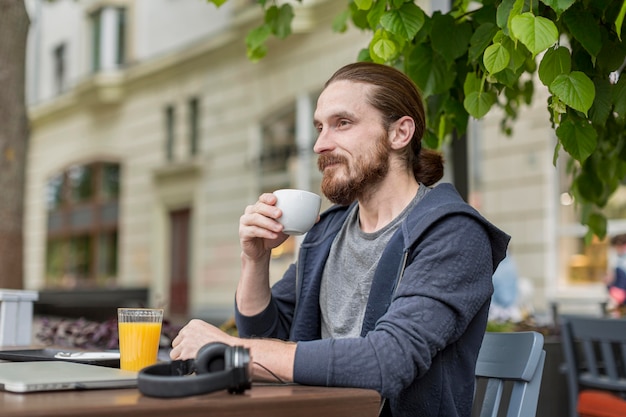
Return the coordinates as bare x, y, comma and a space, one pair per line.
344, 183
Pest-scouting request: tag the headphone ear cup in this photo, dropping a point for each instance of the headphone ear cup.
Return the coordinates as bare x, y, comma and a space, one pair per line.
211, 358
237, 361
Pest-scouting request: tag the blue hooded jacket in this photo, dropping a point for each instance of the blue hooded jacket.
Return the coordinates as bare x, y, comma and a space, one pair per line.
425, 317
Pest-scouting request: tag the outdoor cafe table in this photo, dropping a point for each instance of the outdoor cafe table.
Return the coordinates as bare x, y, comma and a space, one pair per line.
262, 400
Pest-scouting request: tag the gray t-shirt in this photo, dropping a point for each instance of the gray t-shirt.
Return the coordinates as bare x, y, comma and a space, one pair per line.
349, 272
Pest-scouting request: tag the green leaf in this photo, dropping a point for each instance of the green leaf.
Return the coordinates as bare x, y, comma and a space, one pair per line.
429, 71
508, 78
598, 224
472, 83
611, 56
340, 22
481, 39
606, 168
584, 28
589, 187
535, 32
435, 105
619, 21
619, 98
496, 58
503, 12
442, 131
518, 8
364, 56
601, 107
518, 52
359, 17
457, 114
554, 63
217, 3
385, 49
430, 139
257, 37
479, 103
279, 19
375, 13
256, 54
405, 21
578, 138
382, 48
506, 11
575, 90
449, 39
559, 6
363, 4
527, 91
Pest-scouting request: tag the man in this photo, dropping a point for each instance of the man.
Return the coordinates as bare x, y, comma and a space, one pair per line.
392, 286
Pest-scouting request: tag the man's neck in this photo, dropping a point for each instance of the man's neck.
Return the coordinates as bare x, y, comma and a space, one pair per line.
386, 201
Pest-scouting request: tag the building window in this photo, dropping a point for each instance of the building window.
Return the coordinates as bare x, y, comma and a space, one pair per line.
59, 67
82, 232
170, 128
278, 149
121, 37
194, 125
582, 263
96, 35
108, 38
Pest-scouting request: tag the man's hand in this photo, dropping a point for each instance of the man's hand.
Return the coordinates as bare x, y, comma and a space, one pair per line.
259, 231
194, 335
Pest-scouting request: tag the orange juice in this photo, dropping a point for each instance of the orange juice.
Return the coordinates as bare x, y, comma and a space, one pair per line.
139, 344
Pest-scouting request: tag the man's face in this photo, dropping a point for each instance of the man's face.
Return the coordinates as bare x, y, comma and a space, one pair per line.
352, 145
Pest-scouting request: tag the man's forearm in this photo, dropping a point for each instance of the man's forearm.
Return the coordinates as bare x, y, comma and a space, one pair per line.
253, 291
272, 359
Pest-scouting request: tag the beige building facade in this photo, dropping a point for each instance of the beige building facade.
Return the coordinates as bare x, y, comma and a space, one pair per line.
191, 133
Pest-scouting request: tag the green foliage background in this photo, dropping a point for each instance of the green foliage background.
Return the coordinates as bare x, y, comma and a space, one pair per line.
479, 55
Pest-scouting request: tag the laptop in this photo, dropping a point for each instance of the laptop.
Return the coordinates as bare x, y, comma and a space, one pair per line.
61, 375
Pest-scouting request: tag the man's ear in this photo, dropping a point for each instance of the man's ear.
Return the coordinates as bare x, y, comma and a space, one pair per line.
401, 132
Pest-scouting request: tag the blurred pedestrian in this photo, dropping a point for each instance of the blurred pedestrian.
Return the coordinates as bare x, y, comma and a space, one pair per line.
616, 278
504, 301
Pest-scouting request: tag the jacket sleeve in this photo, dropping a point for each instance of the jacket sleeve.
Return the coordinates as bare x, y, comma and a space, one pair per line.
275, 320
446, 283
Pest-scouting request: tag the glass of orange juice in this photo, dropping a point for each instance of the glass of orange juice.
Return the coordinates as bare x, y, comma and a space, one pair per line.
139, 336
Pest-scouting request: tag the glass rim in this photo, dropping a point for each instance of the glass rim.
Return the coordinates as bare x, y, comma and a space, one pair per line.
128, 313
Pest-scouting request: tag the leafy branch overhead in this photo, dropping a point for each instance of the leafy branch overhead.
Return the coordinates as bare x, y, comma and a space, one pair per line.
484, 54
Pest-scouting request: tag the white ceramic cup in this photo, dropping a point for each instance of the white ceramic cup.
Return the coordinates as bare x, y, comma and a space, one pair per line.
300, 210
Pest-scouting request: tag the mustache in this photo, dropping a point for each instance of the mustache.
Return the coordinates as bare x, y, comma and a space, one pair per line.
325, 160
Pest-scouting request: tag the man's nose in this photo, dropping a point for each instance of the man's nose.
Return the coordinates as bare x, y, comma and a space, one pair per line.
323, 142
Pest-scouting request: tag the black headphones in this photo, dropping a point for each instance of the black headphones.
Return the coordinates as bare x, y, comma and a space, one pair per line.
217, 366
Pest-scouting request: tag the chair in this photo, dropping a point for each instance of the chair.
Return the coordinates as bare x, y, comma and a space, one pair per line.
508, 374
594, 349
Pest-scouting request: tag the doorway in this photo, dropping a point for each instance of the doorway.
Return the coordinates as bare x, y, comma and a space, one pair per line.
179, 253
